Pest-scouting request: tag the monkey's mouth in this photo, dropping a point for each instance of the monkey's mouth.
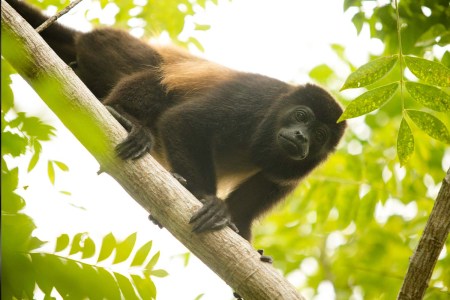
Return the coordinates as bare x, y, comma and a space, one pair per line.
294, 149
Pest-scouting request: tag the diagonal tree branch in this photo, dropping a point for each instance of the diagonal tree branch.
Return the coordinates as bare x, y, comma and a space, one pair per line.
430, 246
226, 253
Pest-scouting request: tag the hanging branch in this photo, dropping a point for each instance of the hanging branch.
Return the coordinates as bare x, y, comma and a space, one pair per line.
226, 253
430, 246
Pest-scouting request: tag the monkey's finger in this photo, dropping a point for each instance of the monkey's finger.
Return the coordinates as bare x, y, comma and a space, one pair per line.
213, 223
233, 226
202, 211
139, 153
128, 149
180, 179
125, 149
202, 221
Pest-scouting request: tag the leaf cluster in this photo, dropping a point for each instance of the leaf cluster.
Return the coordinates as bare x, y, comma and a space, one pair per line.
426, 24
24, 265
430, 95
357, 219
152, 17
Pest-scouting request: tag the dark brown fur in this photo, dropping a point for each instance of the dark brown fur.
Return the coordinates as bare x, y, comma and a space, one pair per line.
245, 137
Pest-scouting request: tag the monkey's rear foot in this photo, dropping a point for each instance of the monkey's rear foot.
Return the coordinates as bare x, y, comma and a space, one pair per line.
213, 215
180, 179
137, 143
154, 221
265, 258
237, 296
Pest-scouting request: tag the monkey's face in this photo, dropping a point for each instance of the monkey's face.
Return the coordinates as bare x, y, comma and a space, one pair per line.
301, 134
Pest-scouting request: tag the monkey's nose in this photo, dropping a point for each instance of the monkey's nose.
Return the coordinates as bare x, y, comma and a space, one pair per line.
300, 136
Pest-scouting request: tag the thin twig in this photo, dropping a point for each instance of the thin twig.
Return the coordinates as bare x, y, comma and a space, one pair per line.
53, 19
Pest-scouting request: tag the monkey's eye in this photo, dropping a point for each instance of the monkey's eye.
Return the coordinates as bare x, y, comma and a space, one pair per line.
301, 116
321, 135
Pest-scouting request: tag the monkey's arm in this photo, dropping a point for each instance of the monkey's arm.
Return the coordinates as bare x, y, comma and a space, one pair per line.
254, 197
188, 143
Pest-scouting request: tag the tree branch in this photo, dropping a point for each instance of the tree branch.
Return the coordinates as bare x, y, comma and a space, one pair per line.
430, 246
226, 253
58, 15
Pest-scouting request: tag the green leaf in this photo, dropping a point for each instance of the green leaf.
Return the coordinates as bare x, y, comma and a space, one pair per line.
366, 211
369, 101
446, 59
10, 180
62, 242
51, 172
7, 97
18, 277
429, 38
41, 267
33, 161
145, 287
123, 249
108, 285
141, 254
151, 264
321, 73
405, 142
349, 3
430, 124
88, 248
186, 256
200, 296
196, 43
13, 144
108, 246
76, 243
444, 39
34, 127
370, 72
159, 273
61, 166
126, 288
429, 71
358, 21
202, 27
430, 96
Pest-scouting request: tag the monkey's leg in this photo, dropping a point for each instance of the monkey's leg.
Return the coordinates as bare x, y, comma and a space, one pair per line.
140, 99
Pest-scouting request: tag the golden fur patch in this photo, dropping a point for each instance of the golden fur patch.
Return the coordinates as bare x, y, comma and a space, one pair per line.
189, 74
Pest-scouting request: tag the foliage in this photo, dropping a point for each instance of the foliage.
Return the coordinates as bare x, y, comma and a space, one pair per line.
430, 95
355, 222
25, 266
151, 18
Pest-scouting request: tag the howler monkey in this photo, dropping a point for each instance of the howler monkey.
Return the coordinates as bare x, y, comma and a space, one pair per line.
245, 138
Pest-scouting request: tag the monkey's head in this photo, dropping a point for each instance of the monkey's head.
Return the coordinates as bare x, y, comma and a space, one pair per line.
300, 133
301, 128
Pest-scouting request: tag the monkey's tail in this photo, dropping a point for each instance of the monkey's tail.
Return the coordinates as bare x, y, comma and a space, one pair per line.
60, 38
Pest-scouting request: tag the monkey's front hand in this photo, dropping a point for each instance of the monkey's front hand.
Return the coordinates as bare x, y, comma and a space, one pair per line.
137, 143
213, 215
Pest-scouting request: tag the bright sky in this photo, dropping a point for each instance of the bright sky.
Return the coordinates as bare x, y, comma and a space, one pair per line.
279, 38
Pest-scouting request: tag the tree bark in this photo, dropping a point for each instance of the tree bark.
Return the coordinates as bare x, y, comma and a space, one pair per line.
430, 246
226, 253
